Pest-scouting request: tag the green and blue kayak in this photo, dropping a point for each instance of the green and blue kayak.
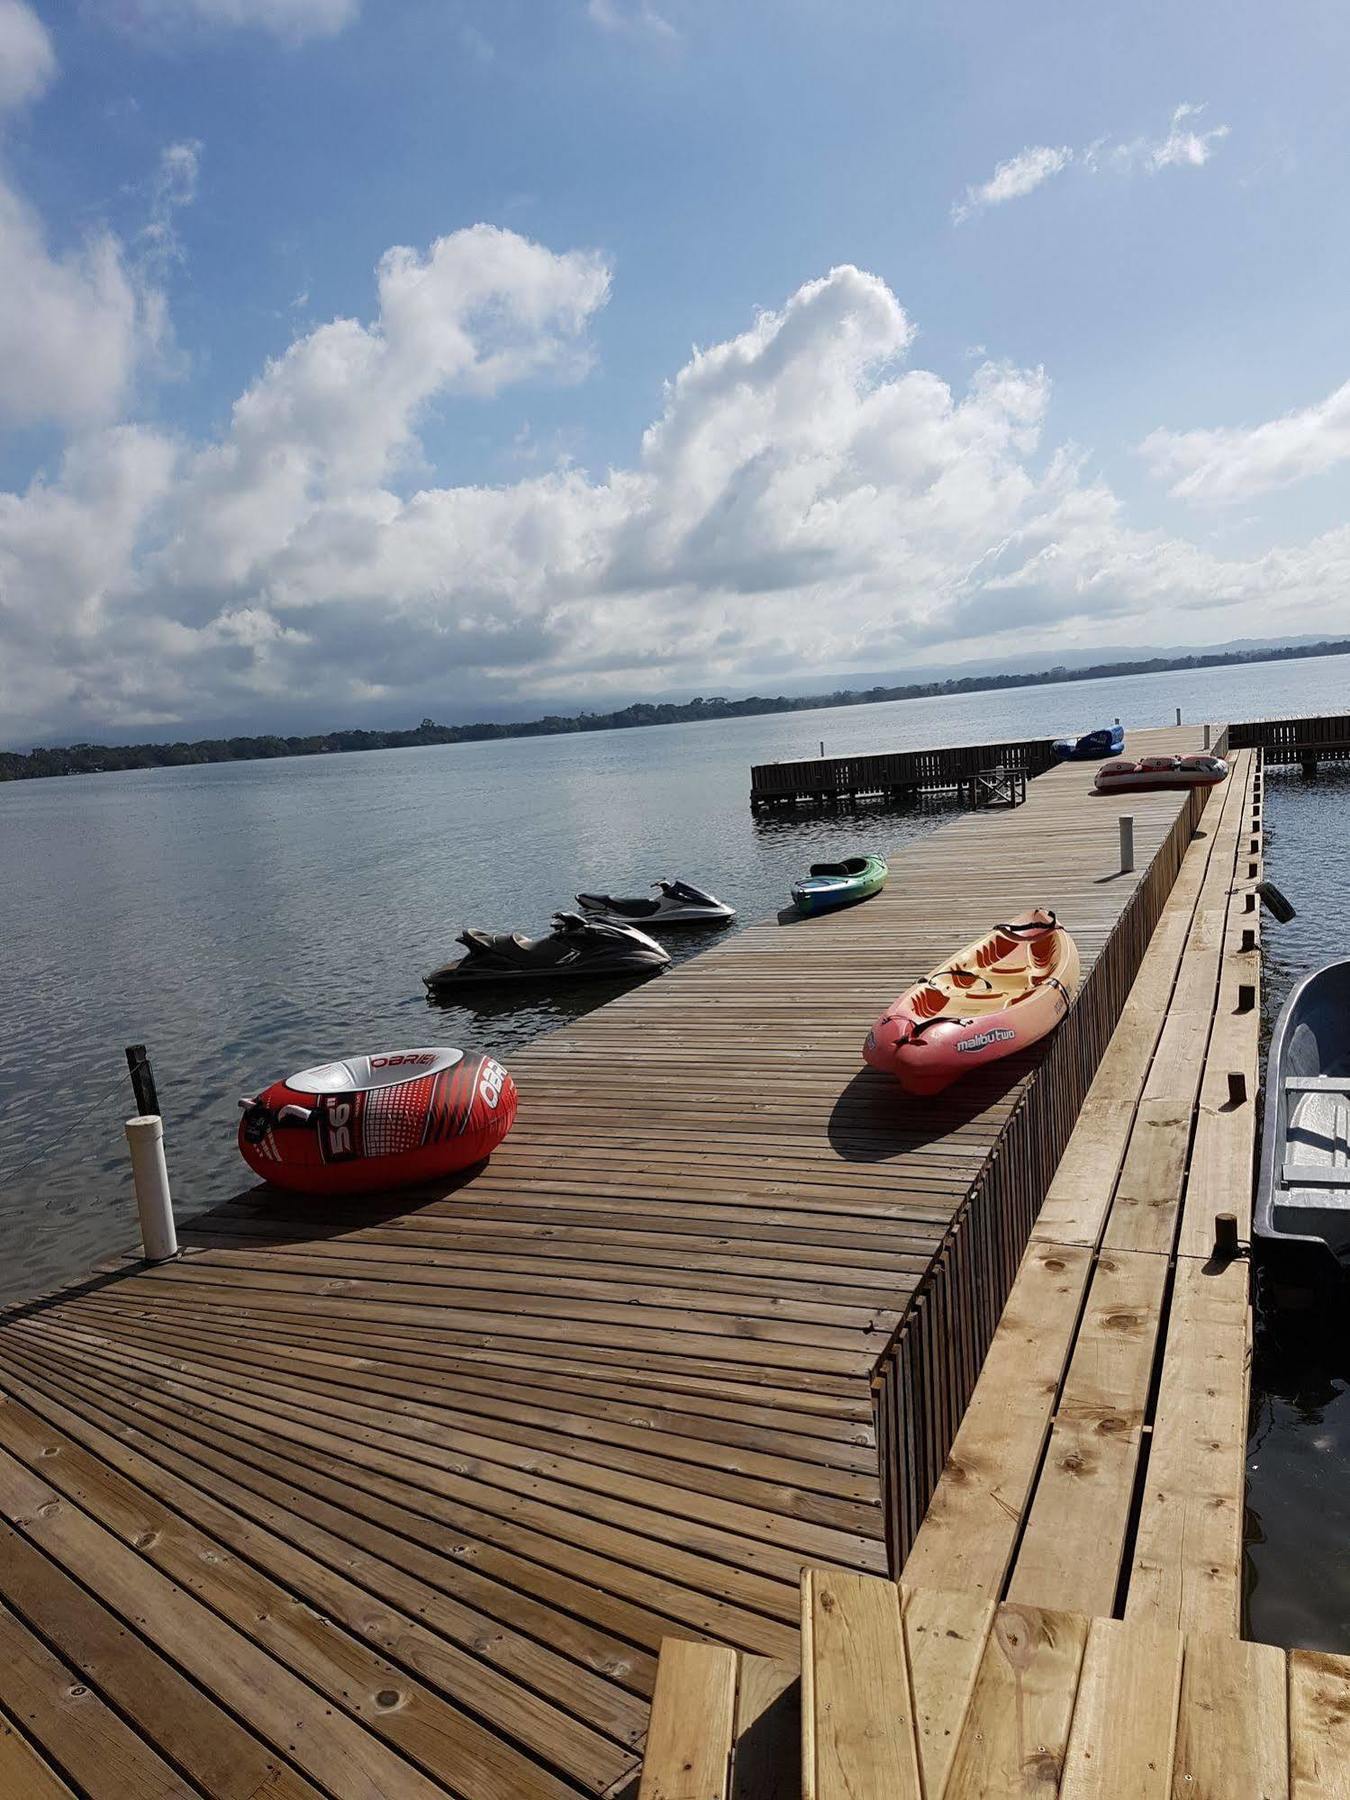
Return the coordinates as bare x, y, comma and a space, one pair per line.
839, 884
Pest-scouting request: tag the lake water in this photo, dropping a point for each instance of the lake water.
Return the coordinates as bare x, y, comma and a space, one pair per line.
244, 920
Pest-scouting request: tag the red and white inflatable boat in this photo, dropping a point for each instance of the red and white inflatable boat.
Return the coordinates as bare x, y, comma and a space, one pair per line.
381, 1121
995, 997
1152, 773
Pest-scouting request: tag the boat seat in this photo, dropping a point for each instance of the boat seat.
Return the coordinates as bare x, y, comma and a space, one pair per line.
1317, 1084
1316, 1175
628, 908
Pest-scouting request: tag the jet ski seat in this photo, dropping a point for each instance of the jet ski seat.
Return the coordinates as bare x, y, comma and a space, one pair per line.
525, 952
625, 909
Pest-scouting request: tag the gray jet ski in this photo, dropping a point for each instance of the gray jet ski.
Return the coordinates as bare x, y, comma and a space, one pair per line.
575, 948
672, 903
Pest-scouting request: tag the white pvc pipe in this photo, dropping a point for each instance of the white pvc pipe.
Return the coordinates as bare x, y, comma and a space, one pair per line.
1126, 843
150, 1173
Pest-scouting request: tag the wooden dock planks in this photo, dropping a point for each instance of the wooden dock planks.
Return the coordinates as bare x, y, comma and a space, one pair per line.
917, 1694
1105, 1438
408, 1495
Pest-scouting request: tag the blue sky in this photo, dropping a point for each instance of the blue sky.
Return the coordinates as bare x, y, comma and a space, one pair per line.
1074, 381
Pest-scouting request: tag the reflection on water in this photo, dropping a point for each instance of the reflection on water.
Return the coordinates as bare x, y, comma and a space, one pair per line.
1299, 1452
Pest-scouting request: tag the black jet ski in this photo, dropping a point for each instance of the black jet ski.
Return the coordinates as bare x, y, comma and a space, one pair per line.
575, 948
674, 903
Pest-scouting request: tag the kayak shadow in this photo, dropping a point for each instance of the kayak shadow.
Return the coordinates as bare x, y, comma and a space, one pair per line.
789, 915
875, 1120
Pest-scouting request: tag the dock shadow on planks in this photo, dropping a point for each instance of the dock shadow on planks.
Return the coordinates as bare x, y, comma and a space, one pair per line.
874, 1119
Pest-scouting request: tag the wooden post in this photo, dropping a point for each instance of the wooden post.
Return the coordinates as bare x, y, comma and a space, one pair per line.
1207, 737
1249, 939
1246, 998
1178, 715
1237, 1087
1225, 1236
142, 1081
1126, 842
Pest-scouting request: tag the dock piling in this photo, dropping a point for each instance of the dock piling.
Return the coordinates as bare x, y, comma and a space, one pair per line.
142, 1080
150, 1173
1126, 843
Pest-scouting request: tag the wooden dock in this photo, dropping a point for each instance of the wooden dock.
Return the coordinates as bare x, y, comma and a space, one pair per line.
403, 1499
975, 774
1068, 1619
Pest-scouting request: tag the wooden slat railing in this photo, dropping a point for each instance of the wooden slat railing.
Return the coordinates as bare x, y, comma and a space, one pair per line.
900, 772
1295, 740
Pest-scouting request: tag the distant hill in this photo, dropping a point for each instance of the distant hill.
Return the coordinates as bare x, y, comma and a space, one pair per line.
97, 759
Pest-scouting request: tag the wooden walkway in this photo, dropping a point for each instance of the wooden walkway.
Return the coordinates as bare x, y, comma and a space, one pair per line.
1069, 1618
401, 1500
1101, 1460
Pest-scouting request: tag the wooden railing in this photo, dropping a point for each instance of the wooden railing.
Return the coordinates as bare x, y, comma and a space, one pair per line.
900, 772
1295, 740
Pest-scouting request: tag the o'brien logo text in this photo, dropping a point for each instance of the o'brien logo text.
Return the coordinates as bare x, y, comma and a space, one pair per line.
986, 1038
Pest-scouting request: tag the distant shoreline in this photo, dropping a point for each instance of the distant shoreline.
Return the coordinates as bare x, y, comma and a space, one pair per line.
100, 759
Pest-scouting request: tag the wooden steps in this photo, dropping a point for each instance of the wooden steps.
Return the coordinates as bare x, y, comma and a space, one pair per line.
918, 1694
724, 1727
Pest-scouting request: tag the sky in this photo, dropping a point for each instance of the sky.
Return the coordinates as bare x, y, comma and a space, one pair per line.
361, 361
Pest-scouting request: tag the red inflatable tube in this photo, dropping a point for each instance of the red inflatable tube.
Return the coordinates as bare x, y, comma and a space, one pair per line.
381, 1121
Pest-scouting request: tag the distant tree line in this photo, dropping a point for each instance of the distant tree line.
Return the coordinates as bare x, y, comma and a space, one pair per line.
98, 759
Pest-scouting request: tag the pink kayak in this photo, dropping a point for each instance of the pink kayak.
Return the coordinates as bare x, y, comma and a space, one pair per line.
998, 995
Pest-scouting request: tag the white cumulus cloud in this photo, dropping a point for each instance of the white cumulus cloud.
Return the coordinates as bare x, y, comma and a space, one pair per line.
1241, 462
804, 500
1012, 179
27, 60
73, 325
